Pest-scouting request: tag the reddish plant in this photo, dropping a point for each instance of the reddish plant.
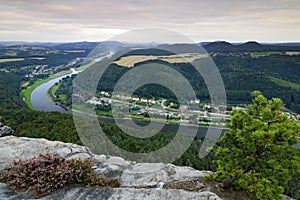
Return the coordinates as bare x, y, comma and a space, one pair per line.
48, 173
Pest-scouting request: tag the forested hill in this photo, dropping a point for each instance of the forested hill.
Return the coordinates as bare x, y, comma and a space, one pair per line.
10, 89
276, 75
251, 46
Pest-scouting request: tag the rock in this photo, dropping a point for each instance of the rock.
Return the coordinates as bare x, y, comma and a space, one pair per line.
111, 194
287, 198
5, 130
14, 148
6, 194
117, 161
150, 174
138, 180
130, 193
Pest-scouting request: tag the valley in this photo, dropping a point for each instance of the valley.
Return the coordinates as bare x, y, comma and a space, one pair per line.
275, 74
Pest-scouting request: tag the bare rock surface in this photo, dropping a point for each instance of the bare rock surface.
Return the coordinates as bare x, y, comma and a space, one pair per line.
138, 180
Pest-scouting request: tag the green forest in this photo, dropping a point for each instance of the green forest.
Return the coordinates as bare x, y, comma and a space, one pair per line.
275, 75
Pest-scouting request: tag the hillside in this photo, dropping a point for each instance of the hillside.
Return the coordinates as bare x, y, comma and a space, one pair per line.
251, 46
10, 89
276, 74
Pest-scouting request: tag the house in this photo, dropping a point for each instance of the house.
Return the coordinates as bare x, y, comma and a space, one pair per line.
182, 107
152, 101
135, 98
144, 100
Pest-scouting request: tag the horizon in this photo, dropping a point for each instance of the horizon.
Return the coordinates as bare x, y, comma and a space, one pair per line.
59, 21
199, 42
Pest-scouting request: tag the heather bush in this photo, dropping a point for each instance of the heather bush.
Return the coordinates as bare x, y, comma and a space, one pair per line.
48, 173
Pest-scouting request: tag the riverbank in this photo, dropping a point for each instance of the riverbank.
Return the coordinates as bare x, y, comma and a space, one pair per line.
25, 94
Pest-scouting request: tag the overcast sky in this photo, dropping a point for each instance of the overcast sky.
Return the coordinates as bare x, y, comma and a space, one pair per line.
200, 20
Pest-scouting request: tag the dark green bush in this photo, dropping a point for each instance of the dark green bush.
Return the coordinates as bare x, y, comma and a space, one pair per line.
258, 154
48, 173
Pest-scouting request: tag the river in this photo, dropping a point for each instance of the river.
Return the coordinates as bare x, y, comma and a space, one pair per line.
40, 100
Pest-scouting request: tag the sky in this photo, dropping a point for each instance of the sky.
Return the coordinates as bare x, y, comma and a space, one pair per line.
199, 20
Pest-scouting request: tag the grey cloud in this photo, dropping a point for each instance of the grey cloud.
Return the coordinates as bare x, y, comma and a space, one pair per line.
229, 17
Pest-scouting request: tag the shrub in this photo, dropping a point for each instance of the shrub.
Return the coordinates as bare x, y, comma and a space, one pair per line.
258, 154
48, 173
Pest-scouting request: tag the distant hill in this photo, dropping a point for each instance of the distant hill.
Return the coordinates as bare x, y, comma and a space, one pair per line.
181, 48
29, 44
220, 46
288, 44
76, 45
251, 46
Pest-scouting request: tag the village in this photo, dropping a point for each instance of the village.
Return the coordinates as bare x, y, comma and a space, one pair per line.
194, 112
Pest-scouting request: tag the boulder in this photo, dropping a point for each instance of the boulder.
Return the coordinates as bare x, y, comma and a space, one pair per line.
5, 130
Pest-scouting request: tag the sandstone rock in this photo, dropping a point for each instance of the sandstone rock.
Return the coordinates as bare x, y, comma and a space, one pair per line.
145, 179
14, 148
130, 194
111, 194
6, 194
5, 130
151, 174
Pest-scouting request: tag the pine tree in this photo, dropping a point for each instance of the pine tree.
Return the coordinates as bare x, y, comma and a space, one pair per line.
258, 154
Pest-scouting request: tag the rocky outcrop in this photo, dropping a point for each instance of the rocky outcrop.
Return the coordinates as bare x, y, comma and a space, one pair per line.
138, 180
112, 194
5, 130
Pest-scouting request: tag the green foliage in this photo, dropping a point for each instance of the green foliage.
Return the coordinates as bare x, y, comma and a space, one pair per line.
258, 154
53, 125
47, 174
9, 95
274, 75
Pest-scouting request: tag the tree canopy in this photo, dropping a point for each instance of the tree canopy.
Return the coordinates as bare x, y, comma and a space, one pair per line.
258, 154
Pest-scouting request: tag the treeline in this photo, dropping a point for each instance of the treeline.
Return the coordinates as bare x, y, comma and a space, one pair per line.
10, 89
34, 124
275, 76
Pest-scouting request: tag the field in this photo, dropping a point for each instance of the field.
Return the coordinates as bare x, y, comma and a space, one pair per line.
130, 61
261, 54
37, 58
292, 53
10, 54
285, 83
3, 60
